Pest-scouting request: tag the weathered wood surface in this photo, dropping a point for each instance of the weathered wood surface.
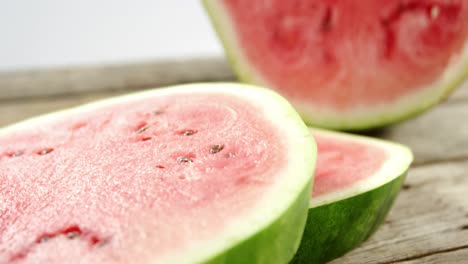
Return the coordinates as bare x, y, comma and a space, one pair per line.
429, 222
76, 80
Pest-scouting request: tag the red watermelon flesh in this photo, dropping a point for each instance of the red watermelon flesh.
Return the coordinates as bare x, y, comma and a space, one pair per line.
345, 55
163, 172
342, 163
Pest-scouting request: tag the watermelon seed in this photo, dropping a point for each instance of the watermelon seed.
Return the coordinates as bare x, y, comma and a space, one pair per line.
406, 186
464, 227
142, 128
73, 234
434, 12
216, 148
188, 132
160, 166
45, 151
14, 154
100, 243
18, 153
184, 159
157, 112
43, 239
182, 177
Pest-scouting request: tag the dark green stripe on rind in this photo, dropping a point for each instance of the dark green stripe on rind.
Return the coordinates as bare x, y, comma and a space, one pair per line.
275, 244
334, 229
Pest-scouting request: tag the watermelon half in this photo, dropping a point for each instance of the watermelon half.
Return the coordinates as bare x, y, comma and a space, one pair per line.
188, 174
348, 64
356, 181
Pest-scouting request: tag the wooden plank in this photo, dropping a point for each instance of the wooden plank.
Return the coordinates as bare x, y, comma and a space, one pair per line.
461, 93
455, 256
430, 216
75, 80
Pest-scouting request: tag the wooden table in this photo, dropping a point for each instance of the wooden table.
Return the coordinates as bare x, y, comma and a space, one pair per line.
428, 223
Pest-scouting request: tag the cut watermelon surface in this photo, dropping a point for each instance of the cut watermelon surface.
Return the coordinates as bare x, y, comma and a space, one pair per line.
348, 64
217, 173
356, 182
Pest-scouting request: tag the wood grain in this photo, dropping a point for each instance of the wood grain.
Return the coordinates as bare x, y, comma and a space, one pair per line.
102, 78
456, 256
438, 135
461, 93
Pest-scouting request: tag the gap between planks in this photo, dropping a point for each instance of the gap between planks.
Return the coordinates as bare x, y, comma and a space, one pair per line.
423, 255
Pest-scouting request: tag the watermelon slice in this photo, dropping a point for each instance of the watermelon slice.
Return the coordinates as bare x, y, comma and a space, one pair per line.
356, 181
187, 174
348, 64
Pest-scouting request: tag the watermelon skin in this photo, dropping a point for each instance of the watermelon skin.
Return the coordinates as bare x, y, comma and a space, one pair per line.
341, 218
335, 229
363, 119
284, 231
278, 229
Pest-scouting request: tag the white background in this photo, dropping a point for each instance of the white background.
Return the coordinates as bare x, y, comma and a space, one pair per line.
50, 33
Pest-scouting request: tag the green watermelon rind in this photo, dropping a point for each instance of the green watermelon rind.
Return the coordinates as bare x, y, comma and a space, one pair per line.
358, 120
345, 219
334, 229
278, 238
274, 228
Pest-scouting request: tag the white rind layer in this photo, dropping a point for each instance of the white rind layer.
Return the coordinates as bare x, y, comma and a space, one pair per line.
397, 163
358, 118
295, 175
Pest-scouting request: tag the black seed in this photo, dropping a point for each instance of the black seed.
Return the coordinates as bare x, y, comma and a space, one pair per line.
189, 132
142, 129
73, 234
45, 151
216, 148
184, 159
